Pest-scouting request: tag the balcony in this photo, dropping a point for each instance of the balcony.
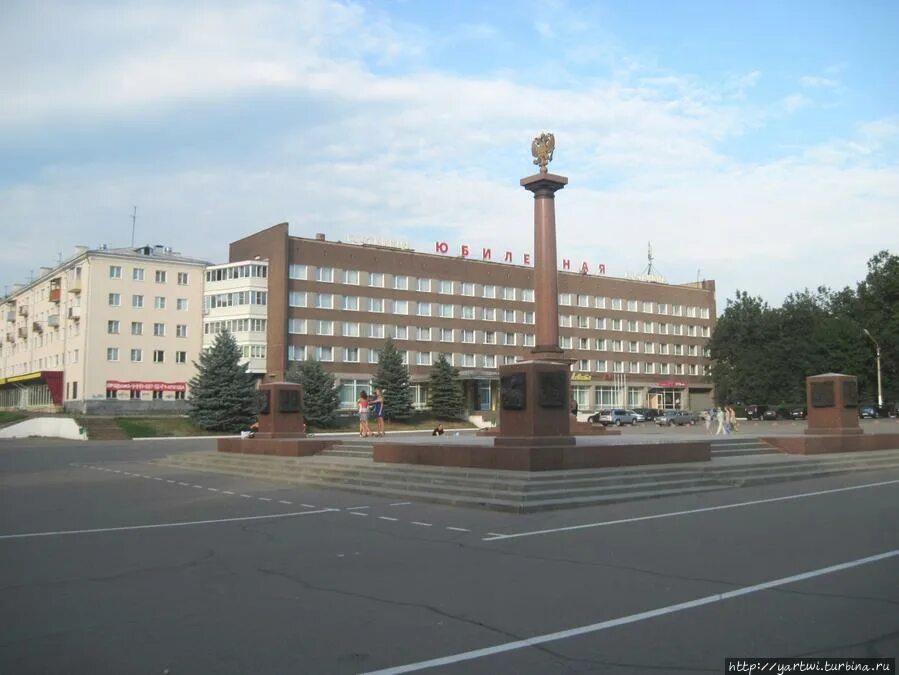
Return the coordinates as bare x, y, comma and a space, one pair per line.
55, 294
23, 310
75, 313
37, 327
74, 286
11, 316
23, 331
53, 320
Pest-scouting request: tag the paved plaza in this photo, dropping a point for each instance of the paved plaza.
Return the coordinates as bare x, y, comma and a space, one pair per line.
113, 563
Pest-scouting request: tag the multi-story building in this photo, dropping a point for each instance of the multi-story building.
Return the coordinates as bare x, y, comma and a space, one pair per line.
631, 342
108, 330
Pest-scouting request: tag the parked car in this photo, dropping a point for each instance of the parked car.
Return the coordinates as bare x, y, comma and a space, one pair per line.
867, 411
756, 412
671, 418
616, 416
640, 416
799, 413
649, 414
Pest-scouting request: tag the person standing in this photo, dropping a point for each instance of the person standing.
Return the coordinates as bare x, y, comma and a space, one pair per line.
719, 416
379, 411
364, 429
707, 417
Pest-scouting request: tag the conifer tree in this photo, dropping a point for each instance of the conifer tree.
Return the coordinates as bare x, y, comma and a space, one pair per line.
320, 396
393, 379
223, 396
446, 390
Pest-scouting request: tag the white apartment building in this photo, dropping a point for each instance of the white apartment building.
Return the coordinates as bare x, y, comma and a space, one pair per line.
107, 331
236, 299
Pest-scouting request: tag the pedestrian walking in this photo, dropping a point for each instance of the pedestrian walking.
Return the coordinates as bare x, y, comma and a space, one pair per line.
379, 411
364, 429
719, 416
707, 417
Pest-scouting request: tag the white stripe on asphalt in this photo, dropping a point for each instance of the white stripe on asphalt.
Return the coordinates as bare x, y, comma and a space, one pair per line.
458, 529
632, 618
158, 525
495, 536
388, 518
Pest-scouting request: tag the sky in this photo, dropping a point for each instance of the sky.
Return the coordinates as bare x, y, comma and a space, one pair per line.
753, 143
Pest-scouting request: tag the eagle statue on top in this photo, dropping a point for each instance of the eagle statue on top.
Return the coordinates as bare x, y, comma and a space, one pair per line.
542, 149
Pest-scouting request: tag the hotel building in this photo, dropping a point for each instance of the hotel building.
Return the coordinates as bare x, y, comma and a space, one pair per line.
632, 343
106, 331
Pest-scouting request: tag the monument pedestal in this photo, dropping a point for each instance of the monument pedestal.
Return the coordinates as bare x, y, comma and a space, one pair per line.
534, 404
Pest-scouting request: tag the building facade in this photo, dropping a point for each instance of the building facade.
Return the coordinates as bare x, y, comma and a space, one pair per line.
106, 331
631, 343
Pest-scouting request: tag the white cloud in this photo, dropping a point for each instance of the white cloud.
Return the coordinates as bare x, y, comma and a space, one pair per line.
812, 81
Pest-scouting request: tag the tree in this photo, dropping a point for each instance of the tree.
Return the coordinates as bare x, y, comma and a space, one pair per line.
392, 378
320, 396
446, 390
223, 394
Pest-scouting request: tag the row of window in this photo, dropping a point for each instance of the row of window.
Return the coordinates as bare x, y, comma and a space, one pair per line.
237, 272
137, 302
235, 326
137, 274
403, 282
113, 327
137, 355
235, 299
136, 394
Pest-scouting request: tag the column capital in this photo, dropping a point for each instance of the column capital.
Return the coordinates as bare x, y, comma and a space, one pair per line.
544, 184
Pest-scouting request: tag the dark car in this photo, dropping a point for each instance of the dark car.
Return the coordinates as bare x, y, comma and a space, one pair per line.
799, 413
649, 414
756, 412
867, 411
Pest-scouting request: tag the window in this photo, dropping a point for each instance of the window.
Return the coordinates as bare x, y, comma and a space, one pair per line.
115, 272
181, 304
565, 299
528, 339
509, 339
400, 306
582, 365
182, 278
400, 282
180, 357
566, 320
467, 360
400, 332
467, 288
489, 314
296, 326
508, 293
158, 356
662, 308
179, 395
446, 334
617, 346
159, 302
296, 272
649, 348
376, 330
160, 276
445, 311
616, 303
423, 359
565, 341
445, 287
137, 328
324, 301
376, 279
583, 343
423, 285
296, 353
112, 327
631, 305
375, 304
181, 330
324, 353
374, 356
489, 291
647, 306
296, 299
489, 361
112, 353
159, 330
324, 274
509, 315
600, 323
350, 329
351, 277
423, 308
351, 355
325, 328
423, 333
350, 303
467, 336
467, 312
489, 337
616, 324
137, 274
115, 299
527, 294
137, 355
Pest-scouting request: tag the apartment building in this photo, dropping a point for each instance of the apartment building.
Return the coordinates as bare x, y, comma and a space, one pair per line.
631, 342
106, 331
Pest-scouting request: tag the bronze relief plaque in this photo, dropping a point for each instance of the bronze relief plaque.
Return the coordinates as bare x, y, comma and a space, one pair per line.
265, 402
850, 393
288, 400
512, 391
551, 389
822, 394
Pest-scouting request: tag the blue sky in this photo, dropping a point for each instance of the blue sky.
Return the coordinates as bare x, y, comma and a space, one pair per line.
753, 143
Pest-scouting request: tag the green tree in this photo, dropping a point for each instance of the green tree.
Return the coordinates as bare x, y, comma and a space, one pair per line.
223, 396
878, 311
320, 396
393, 379
446, 390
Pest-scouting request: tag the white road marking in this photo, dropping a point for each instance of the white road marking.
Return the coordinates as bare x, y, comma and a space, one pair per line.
29, 535
388, 518
415, 522
494, 536
264, 499
227, 492
197, 486
184, 484
284, 501
213, 489
357, 508
357, 513
401, 503
169, 481
458, 529
632, 618
156, 478
247, 496
116, 471
308, 506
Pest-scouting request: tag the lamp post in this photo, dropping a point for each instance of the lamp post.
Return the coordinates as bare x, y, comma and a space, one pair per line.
877, 352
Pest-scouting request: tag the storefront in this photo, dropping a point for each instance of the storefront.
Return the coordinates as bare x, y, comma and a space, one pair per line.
38, 390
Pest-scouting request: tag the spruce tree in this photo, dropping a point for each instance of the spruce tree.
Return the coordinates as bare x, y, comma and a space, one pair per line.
446, 390
320, 396
392, 378
223, 396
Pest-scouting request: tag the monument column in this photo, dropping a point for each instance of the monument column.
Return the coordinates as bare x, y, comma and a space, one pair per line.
546, 286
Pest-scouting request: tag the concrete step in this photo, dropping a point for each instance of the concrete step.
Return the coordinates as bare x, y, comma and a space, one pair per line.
525, 491
739, 447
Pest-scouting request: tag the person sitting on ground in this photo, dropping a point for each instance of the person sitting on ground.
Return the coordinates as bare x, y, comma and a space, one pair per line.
438, 430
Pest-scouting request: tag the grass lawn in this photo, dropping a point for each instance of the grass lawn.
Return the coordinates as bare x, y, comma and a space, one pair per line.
151, 427
8, 417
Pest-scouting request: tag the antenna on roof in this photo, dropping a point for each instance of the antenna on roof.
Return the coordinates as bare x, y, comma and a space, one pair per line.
133, 221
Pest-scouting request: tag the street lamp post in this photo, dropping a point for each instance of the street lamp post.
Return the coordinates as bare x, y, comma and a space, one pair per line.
877, 353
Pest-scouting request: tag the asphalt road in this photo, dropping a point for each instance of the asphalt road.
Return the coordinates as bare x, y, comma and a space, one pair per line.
112, 564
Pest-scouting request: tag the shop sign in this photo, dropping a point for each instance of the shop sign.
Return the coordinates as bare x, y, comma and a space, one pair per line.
117, 385
672, 384
465, 251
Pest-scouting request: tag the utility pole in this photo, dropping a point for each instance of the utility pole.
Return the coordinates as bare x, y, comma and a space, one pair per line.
877, 353
133, 221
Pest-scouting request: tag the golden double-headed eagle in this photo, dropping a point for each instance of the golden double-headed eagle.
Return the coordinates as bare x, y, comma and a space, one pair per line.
542, 149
